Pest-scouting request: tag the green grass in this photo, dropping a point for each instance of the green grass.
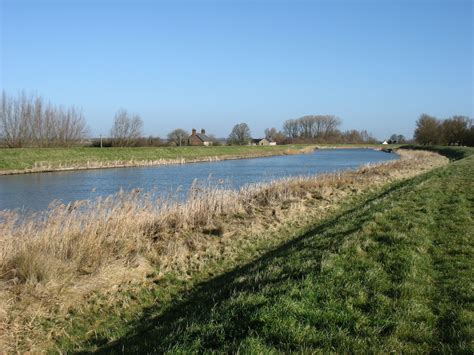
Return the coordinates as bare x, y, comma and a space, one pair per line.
393, 271
453, 153
24, 158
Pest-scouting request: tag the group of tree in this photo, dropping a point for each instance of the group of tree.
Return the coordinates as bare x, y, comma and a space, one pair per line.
456, 130
307, 129
397, 139
352, 136
321, 129
29, 121
314, 127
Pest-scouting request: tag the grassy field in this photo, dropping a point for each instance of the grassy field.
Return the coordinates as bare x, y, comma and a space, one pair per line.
28, 158
391, 271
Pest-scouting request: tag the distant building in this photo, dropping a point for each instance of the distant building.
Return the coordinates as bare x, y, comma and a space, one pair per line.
199, 138
260, 141
384, 142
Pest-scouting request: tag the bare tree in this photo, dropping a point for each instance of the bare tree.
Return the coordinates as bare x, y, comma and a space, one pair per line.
15, 120
8, 123
178, 136
27, 121
330, 125
126, 129
352, 136
306, 124
290, 128
240, 134
270, 133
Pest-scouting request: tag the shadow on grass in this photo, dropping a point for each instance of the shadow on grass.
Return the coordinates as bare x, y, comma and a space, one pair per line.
158, 330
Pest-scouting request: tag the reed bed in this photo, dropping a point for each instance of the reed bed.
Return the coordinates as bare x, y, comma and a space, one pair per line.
58, 256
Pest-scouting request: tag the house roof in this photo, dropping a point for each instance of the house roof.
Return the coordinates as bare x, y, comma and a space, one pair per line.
203, 137
256, 140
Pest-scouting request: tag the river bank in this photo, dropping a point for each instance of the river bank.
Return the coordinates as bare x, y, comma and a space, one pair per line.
53, 268
35, 192
38, 160
391, 272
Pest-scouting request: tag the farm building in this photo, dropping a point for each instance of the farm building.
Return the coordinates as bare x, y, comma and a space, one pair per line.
199, 138
262, 141
259, 141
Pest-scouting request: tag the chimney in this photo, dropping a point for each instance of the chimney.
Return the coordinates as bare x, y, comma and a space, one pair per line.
194, 131
203, 131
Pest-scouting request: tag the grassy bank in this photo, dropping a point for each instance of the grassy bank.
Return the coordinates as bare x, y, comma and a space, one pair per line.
391, 272
98, 265
51, 159
453, 153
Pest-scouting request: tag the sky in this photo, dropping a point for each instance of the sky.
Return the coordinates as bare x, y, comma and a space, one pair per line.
211, 64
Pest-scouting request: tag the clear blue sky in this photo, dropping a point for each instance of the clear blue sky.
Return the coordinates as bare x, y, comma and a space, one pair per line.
375, 64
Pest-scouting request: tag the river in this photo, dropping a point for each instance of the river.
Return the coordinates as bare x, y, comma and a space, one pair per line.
35, 192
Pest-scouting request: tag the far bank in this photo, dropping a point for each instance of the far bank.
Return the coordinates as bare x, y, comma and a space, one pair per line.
35, 160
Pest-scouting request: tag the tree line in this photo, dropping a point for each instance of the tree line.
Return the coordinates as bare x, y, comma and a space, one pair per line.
27, 120
455, 130
30, 121
318, 129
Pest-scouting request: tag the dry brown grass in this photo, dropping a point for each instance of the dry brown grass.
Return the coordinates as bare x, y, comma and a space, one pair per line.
53, 261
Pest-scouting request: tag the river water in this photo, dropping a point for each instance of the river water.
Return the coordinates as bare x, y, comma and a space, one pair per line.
35, 192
